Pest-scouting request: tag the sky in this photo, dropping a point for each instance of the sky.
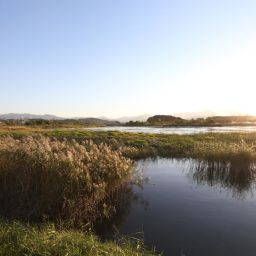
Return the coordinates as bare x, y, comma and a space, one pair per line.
127, 57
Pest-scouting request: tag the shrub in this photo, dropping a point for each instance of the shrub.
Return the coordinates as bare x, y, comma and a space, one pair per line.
42, 177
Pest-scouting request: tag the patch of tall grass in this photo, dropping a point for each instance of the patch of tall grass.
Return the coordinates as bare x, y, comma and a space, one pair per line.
42, 177
222, 151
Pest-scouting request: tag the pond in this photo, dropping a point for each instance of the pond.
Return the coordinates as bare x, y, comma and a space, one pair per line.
191, 209
176, 130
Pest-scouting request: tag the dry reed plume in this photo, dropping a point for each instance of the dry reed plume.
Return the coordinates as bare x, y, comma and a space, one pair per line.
42, 177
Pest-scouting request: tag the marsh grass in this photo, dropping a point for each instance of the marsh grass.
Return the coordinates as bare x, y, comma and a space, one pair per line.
217, 146
48, 178
138, 145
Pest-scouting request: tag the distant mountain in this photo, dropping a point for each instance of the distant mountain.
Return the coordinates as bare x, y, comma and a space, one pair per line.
27, 116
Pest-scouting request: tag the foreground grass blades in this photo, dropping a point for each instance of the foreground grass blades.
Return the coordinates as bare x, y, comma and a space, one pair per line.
18, 239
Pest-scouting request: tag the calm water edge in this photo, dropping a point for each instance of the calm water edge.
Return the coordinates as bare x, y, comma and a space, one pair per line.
191, 210
176, 130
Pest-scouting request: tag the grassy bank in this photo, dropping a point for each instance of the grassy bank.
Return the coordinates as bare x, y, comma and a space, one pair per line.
18, 239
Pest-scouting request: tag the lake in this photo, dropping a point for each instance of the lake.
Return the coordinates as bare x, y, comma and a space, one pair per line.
176, 130
188, 208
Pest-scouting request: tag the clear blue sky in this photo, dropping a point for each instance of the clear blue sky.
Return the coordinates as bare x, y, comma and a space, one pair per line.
127, 57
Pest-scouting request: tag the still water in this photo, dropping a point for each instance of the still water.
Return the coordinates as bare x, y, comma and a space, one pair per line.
192, 209
177, 130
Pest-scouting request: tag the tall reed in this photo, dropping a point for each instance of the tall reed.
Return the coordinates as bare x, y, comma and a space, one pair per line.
42, 177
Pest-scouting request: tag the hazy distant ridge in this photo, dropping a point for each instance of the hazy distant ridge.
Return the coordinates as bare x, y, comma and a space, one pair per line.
157, 119
31, 118
25, 116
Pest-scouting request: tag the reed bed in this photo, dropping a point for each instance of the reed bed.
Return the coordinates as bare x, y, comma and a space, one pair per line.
222, 151
42, 177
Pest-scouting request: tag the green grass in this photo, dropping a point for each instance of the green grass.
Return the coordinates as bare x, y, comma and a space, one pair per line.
17, 239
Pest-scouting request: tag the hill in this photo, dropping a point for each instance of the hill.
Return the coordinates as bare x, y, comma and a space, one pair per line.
165, 120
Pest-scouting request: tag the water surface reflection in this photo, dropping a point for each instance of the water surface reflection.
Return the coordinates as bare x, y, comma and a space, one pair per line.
191, 208
234, 176
176, 130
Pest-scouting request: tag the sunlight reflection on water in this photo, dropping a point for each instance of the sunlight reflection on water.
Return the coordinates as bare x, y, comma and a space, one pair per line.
176, 130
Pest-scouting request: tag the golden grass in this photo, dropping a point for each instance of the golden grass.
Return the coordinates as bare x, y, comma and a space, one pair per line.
42, 177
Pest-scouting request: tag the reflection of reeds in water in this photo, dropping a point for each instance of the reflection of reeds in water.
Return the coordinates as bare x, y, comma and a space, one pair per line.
236, 175
121, 202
